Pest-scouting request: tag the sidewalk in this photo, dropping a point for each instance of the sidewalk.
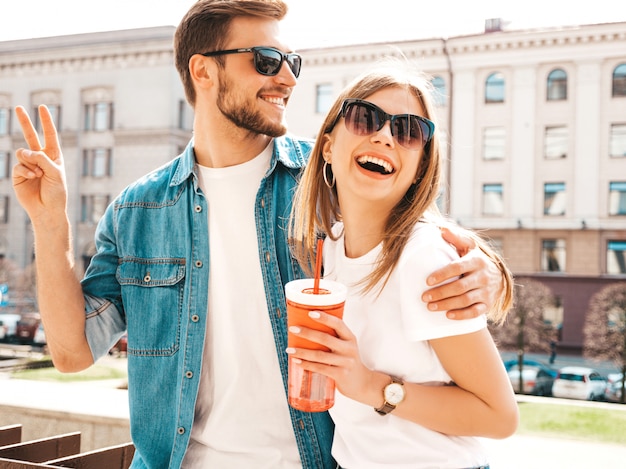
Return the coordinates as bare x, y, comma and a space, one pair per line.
525, 452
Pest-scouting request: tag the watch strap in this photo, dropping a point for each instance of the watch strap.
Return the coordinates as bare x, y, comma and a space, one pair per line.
387, 407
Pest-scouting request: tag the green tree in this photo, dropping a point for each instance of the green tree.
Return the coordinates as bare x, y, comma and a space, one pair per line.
524, 329
604, 332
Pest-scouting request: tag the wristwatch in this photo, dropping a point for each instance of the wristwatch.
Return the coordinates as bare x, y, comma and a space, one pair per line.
393, 394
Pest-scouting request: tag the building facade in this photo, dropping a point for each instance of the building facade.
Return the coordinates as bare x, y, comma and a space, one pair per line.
120, 110
533, 124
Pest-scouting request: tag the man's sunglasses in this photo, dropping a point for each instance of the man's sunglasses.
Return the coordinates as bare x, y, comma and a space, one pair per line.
267, 60
364, 118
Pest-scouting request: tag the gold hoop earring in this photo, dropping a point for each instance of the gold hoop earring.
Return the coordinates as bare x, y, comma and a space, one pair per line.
325, 173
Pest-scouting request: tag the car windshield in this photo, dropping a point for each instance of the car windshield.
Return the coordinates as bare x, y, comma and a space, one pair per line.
572, 377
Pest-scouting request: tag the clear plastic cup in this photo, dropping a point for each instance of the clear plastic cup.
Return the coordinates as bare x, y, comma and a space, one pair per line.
308, 391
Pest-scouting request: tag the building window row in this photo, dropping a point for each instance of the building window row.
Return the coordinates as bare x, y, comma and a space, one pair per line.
554, 199
556, 141
553, 254
556, 85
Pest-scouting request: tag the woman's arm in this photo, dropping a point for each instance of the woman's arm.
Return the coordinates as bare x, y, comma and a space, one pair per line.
482, 402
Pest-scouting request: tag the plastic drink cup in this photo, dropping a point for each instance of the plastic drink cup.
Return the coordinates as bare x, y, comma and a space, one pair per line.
308, 391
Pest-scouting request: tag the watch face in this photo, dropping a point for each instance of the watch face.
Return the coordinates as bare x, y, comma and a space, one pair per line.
394, 393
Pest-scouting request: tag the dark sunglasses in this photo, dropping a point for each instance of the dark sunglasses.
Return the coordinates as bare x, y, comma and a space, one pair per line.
364, 118
267, 60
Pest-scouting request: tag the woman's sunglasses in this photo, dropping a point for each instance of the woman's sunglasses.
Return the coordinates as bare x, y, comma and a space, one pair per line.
364, 118
267, 60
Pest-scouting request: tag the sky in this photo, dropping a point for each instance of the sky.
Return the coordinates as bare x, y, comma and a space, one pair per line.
313, 23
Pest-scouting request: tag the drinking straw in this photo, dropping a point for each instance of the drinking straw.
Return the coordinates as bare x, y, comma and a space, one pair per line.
318, 267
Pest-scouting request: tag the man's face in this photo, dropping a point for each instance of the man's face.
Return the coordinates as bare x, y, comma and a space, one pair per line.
248, 99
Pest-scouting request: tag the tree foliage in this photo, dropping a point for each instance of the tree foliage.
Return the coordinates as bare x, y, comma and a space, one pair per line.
524, 329
604, 332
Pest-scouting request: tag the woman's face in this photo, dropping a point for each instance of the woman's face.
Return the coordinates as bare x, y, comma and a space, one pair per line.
373, 172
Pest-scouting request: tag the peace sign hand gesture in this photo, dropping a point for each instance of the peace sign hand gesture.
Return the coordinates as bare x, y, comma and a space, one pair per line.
39, 176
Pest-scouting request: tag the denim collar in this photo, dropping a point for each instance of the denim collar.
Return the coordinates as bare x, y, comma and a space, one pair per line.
287, 150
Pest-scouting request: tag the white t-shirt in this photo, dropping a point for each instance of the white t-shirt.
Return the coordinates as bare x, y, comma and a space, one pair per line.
392, 331
241, 416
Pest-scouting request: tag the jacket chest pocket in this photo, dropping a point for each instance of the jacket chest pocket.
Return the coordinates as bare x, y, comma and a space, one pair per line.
153, 294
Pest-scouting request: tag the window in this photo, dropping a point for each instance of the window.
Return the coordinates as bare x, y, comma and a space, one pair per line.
323, 97
617, 198
618, 141
553, 313
556, 87
554, 198
5, 165
55, 112
553, 255
616, 257
5, 121
494, 143
556, 141
492, 199
494, 88
4, 209
92, 207
440, 94
619, 80
99, 116
97, 162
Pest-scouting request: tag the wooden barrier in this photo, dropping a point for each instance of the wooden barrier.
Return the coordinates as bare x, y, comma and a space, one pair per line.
57, 452
10, 435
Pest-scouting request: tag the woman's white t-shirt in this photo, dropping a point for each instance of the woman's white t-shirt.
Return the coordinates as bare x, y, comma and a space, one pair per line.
392, 331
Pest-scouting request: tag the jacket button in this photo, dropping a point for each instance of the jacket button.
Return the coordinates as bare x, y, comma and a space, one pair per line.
189, 374
181, 431
195, 318
198, 264
198, 208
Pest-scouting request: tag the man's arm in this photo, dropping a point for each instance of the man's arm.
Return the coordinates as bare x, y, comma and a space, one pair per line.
40, 186
483, 283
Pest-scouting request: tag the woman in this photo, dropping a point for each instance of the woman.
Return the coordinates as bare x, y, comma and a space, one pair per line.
414, 388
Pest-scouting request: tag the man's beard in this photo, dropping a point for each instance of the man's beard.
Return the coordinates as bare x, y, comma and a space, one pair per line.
243, 114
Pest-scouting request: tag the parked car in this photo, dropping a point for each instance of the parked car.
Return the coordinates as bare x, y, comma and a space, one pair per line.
10, 322
613, 391
40, 336
536, 380
579, 382
27, 327
508, 364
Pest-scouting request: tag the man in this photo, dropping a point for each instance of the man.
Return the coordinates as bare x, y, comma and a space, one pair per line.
191, 260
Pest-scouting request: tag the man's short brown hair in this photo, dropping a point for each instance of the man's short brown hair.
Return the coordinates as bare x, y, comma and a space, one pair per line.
206, 26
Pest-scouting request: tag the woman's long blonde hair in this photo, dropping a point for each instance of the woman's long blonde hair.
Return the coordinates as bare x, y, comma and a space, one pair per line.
316, 208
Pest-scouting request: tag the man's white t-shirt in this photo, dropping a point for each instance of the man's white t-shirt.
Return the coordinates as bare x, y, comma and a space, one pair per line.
242, 417
392, 331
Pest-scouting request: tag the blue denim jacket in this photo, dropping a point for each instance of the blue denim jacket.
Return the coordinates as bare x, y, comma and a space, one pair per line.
150, 276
